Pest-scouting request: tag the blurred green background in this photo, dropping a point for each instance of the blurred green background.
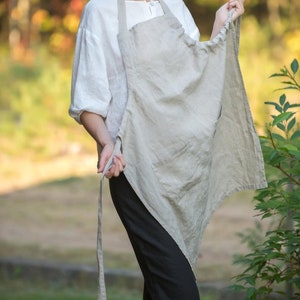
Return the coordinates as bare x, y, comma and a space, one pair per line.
39, 142
36, 50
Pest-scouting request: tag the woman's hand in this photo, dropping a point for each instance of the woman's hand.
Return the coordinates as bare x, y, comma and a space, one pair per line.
95, 126
222, 14
238, 5
118, 163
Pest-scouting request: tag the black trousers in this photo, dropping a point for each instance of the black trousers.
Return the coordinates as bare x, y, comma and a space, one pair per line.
167, 273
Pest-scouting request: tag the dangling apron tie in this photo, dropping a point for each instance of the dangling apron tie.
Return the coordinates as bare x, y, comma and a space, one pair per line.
101, 279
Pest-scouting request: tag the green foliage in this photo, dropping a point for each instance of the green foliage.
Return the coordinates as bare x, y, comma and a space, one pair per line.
274, 258
34, 100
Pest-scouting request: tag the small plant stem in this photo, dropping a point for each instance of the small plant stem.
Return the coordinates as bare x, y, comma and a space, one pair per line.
288, 175
289, 288
292, 77
271, 138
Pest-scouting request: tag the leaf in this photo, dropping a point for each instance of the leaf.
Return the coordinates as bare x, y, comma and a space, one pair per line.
291, 124
289, 147
281, 126
282, 99
278, 75
263, 137
283, 73
278, 137
275, 158
282, 117
295, 135
287, 88
277, 106
250, 280
290, 116
273, 255
273, 154
295, 153
267, 215
251, 292
286, 106
295, 105
237, 287
288, 82
294, 66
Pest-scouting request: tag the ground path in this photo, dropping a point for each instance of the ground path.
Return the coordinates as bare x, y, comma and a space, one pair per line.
58, 221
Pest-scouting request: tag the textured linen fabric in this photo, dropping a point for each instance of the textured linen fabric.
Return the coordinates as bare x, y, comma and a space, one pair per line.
99, 81
187, 134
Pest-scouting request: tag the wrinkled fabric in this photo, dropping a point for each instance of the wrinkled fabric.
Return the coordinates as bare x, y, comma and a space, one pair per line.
98, 77
187, 133
187, 137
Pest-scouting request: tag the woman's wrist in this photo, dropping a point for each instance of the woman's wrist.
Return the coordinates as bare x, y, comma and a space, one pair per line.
95, 126
218, 24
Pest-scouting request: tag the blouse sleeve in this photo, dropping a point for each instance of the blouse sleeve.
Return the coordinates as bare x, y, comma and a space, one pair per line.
183, 14
90, 88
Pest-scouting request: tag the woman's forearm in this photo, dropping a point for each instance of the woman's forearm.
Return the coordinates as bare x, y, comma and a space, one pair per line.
95, 126
216, 28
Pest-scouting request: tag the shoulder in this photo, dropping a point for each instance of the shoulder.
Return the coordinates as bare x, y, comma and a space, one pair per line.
101, 5
98, 11
175, 3
178, 7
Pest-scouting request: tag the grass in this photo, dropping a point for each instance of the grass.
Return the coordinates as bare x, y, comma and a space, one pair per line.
20, 290
57, 221
25, 290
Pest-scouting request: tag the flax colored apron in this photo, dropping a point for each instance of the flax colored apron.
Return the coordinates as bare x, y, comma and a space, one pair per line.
187, 133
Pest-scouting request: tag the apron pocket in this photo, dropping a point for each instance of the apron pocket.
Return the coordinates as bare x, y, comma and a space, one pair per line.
177, 170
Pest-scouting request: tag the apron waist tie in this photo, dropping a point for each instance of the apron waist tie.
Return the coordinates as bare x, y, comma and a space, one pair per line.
101, 279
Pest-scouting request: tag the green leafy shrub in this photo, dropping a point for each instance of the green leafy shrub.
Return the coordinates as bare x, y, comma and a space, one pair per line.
273, 264
34, 101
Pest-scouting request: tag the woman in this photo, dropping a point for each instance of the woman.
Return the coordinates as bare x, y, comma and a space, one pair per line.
136, 63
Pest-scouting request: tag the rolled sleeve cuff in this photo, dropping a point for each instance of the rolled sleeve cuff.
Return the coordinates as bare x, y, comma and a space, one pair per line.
76, 112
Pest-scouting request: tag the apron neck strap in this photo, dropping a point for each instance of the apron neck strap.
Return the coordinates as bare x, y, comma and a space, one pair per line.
165, 7
122, 16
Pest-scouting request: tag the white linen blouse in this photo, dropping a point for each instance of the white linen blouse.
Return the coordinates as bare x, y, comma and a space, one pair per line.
98, 78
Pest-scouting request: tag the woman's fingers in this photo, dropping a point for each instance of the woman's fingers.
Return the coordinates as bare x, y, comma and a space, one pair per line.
117, 167
104, 156
238, 5
121, 159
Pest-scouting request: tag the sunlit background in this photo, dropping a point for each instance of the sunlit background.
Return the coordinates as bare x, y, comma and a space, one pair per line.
36, 49
40, 143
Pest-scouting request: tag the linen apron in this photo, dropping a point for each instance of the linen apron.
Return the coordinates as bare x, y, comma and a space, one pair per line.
187, 134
